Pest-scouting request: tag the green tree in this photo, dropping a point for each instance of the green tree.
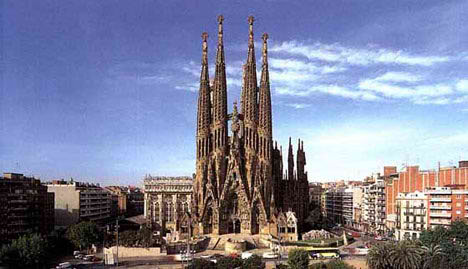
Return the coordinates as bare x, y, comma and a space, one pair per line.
453, 242
298, 259
378, 256
145, 237
406, 255
253, 262
229, 263
202, 264
27, 250
84, 234
334, 264
9, 255
432, 257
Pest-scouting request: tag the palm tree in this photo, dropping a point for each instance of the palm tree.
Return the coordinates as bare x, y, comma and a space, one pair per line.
432, 256
378, 256
405, 255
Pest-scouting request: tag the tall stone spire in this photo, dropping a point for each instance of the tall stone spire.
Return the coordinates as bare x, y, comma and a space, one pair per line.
220, 93
249, 93
290, 161
265, 121
204, 110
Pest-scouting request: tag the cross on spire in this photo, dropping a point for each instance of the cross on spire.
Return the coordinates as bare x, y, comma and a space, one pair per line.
220, 19
204, 36
265, 37
251, 20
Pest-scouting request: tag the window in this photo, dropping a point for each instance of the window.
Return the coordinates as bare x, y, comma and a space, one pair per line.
458, 196
458, 212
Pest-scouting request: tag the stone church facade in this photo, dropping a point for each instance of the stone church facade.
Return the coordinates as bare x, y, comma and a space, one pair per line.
239, 185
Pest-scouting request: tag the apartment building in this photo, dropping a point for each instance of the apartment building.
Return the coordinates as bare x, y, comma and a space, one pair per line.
128, 201
413, 179
315, 193
447, 204
411, 215
25, 205
339, 205
373, 206
78, 201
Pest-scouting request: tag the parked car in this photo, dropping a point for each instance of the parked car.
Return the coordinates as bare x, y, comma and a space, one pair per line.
64, 265
79, 256
314, 256
88, 257
270, 255
246, 255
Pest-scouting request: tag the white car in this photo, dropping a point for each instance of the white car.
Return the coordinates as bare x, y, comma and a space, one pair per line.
270, 255
64, 265
246, 255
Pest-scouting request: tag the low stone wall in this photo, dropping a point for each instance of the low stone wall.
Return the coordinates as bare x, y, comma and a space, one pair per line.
235, 247
125, 252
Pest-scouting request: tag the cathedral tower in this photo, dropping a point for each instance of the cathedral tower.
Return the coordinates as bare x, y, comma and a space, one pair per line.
220, 116
203, 128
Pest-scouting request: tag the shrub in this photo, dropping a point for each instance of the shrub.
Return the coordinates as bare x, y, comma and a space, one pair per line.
253, 262
229, 263
298, 259
202, 264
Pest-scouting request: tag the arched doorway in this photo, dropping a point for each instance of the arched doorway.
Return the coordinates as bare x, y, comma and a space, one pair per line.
208, 221
234, 226
237, 226
256, 218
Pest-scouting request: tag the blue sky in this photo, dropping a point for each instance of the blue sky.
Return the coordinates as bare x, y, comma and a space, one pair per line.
106, 91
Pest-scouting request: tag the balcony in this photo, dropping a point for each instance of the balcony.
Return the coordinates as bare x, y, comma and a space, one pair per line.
440, 215
440, 222
443, 207
441, 199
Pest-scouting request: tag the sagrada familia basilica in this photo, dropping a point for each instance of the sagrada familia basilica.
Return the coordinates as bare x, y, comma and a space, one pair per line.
239, 186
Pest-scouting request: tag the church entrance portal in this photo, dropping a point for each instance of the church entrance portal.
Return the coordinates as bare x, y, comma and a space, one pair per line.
234, 226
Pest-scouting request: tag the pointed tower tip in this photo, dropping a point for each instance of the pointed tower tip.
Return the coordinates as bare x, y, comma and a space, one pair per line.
220, 19
290, 141
265, 37
251, 34
251, 20
204, 36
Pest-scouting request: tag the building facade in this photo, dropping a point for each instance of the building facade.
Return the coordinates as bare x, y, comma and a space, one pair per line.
339, 205
167, 200
315, 193
447, 204
411, 215
413, 179
78, 201
374, 217
25, 205
128, 201
239, 183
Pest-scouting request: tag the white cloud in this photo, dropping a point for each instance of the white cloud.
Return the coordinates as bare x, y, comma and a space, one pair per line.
399, 77
338, 53
298, 106
334, 90
193, 87
419, 94
462, 85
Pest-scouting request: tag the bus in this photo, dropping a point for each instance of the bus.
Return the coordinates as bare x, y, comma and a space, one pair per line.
323, 253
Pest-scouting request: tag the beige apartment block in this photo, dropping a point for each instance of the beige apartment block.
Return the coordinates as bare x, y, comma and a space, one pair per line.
77, 201
411, 215
373, 209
